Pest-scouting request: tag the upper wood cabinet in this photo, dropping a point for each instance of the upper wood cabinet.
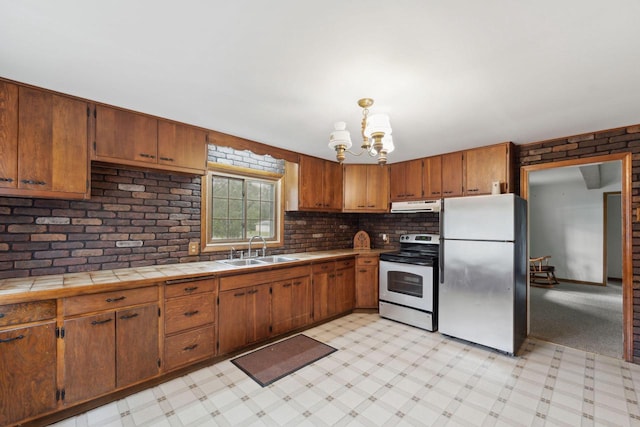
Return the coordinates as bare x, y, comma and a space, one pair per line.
43, 140
366, 188
485, 165
314, 185
452, 174
406, 180
432, 177
129, 138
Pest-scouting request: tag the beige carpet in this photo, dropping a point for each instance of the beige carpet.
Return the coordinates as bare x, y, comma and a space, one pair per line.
585, 317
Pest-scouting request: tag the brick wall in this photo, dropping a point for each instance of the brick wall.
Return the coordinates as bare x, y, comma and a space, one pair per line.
396, 224
620, 140
134, 218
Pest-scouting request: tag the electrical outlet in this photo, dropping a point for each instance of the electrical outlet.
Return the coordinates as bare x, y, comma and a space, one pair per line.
385, 238
193, 248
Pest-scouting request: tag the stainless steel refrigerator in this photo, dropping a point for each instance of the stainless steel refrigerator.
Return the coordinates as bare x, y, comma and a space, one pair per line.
483, 270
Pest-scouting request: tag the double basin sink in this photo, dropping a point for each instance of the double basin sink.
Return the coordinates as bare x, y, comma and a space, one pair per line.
265, 260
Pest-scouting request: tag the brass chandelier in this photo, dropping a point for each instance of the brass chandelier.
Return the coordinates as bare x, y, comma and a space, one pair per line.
376, 135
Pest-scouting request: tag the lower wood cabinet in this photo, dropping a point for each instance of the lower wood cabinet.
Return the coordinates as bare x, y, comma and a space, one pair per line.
333, 288
255, 306
246, 314
189, 321
109, 348
291, 304
367, 288
27, 371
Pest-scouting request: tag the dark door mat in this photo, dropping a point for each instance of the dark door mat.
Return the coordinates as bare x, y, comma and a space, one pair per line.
278, 360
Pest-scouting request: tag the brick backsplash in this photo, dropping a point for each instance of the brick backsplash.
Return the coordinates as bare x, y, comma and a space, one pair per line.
134, 218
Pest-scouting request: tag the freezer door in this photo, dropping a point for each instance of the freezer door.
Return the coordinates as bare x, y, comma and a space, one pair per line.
476, 301
479, 218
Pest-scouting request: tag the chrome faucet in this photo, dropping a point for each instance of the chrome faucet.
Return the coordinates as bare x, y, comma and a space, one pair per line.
264, 244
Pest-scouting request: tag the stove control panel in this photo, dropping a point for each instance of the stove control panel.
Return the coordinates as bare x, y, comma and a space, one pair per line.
420, 238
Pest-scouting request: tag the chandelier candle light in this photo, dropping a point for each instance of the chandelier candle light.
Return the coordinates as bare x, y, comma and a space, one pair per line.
375, 127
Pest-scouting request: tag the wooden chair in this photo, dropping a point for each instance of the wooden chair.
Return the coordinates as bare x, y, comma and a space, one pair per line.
541, 273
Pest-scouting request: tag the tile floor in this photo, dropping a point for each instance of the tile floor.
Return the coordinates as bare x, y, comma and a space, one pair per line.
389, 374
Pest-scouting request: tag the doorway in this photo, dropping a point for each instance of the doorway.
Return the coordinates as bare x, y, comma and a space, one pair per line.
588, 272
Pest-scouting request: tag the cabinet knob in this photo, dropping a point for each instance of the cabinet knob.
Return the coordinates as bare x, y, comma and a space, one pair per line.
2, 179
191, 313
115, 299
190, 347
190, 289
100, 322
166, 159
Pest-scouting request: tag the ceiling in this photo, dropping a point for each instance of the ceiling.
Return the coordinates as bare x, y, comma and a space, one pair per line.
451, 74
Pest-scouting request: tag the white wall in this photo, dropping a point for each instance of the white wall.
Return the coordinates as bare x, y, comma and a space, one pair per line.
614, 236
566, 222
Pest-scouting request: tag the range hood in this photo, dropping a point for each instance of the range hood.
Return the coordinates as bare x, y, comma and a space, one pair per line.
415, 206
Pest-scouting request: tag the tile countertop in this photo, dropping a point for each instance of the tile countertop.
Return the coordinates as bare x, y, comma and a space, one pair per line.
32, 288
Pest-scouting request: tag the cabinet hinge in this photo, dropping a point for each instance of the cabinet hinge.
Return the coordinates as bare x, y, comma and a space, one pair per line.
217, 345
270, 290
158, 311
159, 362
270, 328
218, 300
60, 395
94, 146
95, 113
88, 111
59, 332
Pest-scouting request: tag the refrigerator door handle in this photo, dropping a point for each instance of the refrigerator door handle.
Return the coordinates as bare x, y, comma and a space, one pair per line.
441, 247
441, 260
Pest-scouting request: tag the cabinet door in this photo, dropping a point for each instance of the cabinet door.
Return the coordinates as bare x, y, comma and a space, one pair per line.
311, 183
483, 166
377, 188
182, 146
355, 187
397, 182
125, 135
27, 372
432, 177
232, 332
52, 143
302, 307
332, 186
413, 180
8, 135
452, 174
345, 293
137, 350
282, 308
89, 356
324, 302
258, 313
367, 281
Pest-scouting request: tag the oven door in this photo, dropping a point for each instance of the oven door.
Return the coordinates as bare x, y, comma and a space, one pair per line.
407, 284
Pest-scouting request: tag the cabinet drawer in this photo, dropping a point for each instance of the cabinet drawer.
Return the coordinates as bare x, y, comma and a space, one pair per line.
324, 267
345, 263
367, 260
180, 288
26, 312
188, 347
109, 300
188, 312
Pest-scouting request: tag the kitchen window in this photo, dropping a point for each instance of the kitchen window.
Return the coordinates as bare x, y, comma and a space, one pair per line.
239, 203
